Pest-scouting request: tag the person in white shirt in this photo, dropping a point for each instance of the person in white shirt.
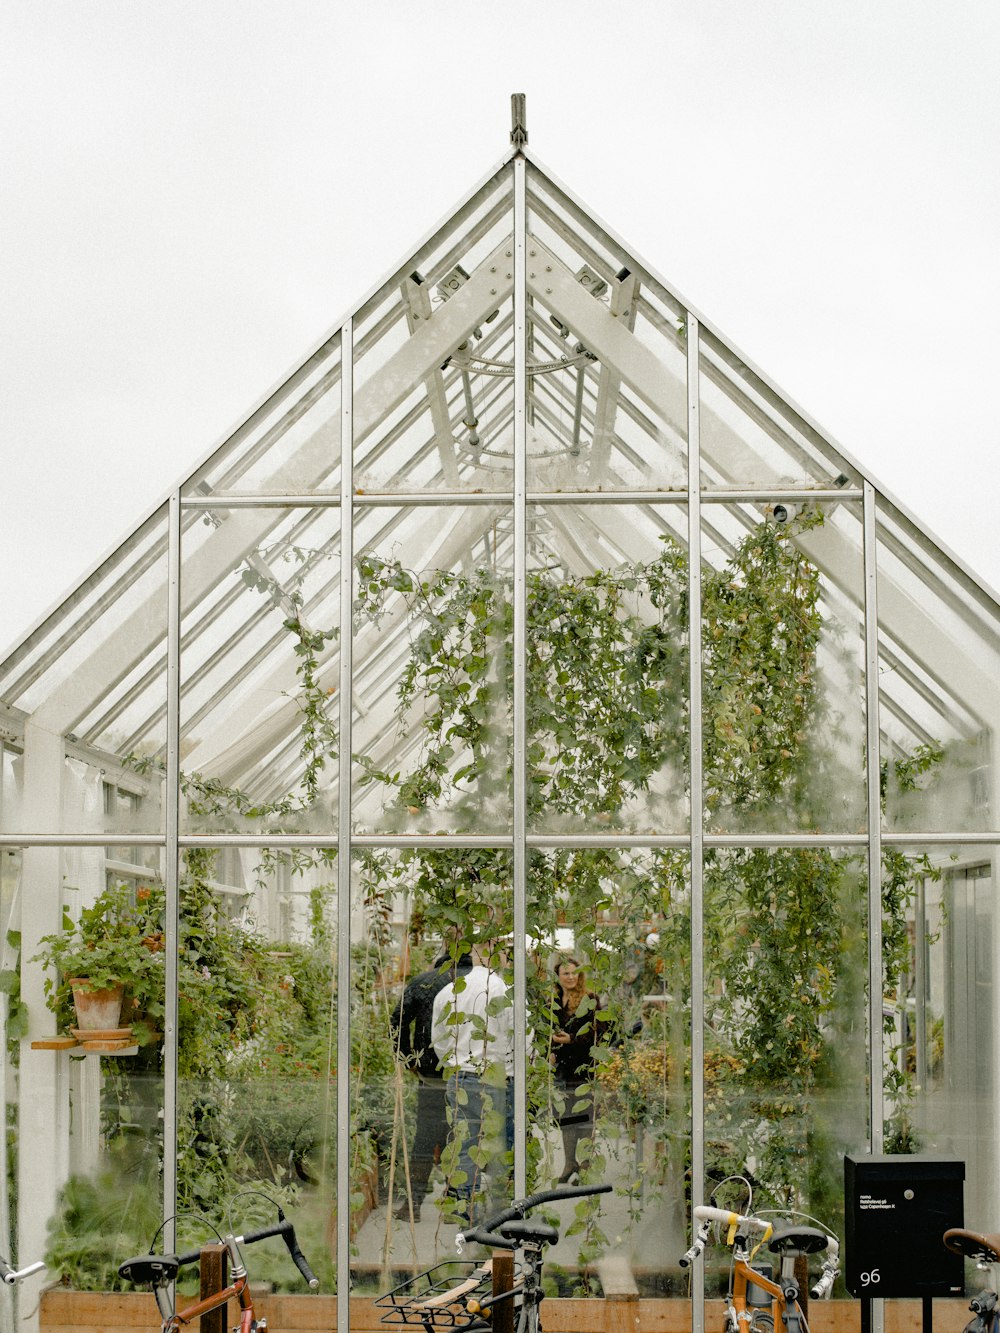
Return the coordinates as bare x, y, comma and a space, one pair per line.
472, 1032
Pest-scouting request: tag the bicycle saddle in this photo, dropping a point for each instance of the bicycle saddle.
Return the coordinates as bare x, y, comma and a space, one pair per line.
530, 1230
156, 1269
985, 1248
791, 1241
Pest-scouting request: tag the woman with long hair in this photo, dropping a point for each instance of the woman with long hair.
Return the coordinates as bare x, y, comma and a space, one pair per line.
575, 1032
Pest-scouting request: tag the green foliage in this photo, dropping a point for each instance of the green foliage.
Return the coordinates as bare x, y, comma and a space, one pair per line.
605, 685
117, 940
17, 1010
608, 726
99, 1223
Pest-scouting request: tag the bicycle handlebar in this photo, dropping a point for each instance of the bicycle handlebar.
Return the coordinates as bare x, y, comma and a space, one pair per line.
286, 1231
486, 1233
706, 1215
12, 1275
282, 1228
830, 1271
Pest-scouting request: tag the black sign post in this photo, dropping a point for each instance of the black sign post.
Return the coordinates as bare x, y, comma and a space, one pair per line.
896, 1210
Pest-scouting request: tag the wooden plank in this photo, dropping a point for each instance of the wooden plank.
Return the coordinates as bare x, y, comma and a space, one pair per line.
213, 1270
64, 1311
502, 1314
54, 1044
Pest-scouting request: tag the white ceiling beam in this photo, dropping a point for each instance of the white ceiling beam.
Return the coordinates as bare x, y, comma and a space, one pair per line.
441, 545
552, 283
242, 531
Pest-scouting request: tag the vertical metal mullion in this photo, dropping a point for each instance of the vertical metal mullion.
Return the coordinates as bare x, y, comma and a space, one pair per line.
873, 770
519, 647
172, 866
344, 824
696, 804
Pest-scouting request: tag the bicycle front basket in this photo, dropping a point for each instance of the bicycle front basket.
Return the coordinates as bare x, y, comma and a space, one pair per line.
436, 1298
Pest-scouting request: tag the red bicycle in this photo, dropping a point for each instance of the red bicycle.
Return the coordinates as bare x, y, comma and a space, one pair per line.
158, 1271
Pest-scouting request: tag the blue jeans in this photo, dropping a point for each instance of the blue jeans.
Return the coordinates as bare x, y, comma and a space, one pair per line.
470, 1100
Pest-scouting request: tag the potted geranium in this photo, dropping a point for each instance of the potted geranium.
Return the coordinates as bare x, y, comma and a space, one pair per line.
109, 965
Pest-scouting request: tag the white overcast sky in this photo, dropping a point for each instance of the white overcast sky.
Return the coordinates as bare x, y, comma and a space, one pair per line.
194, 191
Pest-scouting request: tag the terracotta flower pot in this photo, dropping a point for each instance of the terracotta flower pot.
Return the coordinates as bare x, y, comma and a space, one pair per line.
96, 1010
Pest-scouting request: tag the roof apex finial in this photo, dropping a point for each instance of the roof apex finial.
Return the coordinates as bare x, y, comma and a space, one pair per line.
518, 121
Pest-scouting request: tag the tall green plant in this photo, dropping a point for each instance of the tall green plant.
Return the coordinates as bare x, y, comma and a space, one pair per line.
607, 728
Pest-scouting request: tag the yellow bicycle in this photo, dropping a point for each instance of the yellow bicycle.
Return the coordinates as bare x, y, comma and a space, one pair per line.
756, 1300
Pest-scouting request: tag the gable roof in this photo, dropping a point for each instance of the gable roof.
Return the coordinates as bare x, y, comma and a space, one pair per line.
433, 416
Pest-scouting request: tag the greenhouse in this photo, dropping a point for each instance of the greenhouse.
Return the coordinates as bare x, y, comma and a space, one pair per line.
526, 628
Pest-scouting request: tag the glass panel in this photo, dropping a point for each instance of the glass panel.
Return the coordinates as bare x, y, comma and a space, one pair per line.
11, 768
783, 672
257, 1051
433, 361
607, 668
941, 1072
104, 689
13, 1024
431, 1137
785, 1071
290, 444
607, 360
939, 655
259, 667
751, 437
88, 1077
625, 918
609, 1084
432, 687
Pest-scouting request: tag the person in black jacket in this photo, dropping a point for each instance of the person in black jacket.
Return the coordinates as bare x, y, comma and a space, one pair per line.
576, 1031
411, 1023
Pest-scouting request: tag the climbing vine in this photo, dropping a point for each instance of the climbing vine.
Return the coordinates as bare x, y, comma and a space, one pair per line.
607, 725
608, 744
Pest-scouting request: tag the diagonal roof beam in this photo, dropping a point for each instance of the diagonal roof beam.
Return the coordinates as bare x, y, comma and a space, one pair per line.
552, 283
429, 347
228, 758
624, 300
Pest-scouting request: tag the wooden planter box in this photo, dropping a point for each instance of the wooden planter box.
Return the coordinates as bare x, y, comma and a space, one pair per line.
64, 1311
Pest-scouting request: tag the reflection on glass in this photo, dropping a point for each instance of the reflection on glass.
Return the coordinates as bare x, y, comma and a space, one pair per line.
259, 668
940, 1076
785, 1021
782, 671
257, 1048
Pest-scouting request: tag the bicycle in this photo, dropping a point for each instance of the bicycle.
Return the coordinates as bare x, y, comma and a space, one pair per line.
434, 1300
755, 1301
159, 1271
985, 1250
12, 1275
